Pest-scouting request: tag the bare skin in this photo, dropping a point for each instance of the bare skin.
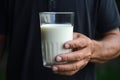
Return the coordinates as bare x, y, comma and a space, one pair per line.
88, 50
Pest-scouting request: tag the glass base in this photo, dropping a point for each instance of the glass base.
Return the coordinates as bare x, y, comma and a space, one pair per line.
47, 65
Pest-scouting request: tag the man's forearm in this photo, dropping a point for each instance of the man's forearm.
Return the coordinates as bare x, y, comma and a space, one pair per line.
107, 48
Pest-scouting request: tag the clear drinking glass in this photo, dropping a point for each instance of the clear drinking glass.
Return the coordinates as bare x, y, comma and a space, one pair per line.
56, 29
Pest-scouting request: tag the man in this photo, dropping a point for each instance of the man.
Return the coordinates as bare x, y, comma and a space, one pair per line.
20, 22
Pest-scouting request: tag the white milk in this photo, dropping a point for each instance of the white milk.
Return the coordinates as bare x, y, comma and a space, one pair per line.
53, 37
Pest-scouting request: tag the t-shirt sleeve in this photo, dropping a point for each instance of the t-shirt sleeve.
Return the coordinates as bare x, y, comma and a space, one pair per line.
108, 16
3, 17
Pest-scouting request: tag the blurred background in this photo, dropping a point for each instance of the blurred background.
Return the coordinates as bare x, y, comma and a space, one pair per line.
107, 71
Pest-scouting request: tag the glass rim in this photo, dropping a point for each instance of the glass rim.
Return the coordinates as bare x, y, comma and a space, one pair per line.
71, 14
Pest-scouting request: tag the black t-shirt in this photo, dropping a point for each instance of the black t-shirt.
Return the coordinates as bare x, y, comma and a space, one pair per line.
19, 20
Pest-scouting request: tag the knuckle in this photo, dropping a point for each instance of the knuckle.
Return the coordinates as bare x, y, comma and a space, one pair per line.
73, 45
75, 67
66, 57
89, 55
78, 57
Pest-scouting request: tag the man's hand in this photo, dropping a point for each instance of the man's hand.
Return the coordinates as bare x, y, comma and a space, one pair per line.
82, 49
86, 50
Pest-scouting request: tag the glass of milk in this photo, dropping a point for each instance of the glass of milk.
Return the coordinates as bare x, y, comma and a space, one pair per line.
56, 29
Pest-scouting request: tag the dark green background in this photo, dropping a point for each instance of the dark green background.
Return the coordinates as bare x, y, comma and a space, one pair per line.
107, 71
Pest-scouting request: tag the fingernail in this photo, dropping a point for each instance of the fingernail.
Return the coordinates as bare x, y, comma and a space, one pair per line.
54, 68
58, 58
67, 45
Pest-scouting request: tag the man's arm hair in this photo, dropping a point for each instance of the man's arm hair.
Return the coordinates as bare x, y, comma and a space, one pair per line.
107, 48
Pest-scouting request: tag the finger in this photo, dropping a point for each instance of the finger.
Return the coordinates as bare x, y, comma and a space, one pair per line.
74, 56
76, 43
72, 66
69, 73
